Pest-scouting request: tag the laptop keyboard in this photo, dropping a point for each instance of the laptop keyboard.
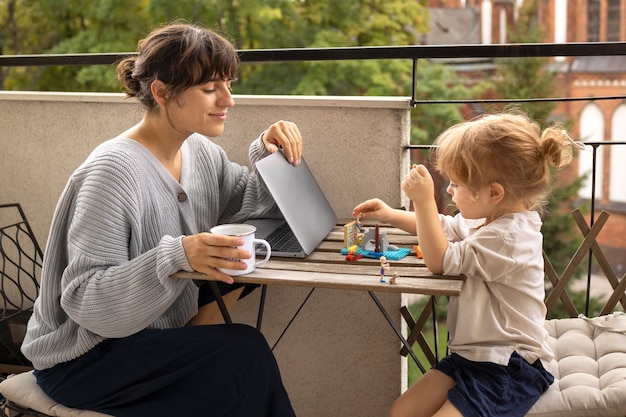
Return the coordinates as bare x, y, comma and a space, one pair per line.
283, 240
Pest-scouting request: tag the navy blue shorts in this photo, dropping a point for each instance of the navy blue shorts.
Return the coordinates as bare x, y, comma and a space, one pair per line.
197, 371
485, 389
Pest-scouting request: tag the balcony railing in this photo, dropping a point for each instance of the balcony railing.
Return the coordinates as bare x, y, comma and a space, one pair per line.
414, 54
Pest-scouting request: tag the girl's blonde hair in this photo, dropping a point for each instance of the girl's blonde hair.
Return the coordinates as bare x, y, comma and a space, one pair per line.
506, 148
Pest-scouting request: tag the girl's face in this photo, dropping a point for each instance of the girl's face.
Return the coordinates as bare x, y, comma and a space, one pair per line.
202, 108
471, 204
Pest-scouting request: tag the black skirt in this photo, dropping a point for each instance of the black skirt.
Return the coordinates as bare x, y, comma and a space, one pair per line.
216, 370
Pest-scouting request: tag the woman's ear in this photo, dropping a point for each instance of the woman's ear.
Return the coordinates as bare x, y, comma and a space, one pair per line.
159, 92
496, 193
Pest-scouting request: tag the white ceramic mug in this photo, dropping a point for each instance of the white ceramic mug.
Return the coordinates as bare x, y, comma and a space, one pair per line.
246, 232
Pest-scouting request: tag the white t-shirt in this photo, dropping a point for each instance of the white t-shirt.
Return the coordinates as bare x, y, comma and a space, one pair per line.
501, 307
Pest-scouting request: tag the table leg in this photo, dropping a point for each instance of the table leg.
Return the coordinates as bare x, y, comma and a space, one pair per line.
259, 318
293, 318
220, 301
397, 331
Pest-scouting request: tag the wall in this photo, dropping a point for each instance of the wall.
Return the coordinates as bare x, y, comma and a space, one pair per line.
339, 357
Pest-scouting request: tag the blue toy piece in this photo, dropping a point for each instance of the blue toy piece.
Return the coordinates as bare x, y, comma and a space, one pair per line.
393, 255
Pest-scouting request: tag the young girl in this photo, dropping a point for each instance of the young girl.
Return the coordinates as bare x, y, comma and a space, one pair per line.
499, 171
109, 329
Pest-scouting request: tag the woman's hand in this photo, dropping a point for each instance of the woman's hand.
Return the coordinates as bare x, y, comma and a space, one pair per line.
286, 135
207, 251
418, 185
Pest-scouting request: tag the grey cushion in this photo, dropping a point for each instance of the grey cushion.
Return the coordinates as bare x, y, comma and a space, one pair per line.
22, 389
589, 368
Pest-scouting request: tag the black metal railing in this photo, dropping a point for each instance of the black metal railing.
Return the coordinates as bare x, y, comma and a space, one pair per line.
413, 53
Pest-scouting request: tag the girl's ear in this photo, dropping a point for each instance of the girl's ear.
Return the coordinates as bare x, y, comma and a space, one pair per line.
496, 193
159, 92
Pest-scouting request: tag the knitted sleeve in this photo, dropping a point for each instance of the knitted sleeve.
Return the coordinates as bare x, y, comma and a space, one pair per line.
121, 250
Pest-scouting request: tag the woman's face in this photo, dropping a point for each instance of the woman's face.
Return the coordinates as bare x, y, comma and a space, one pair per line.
202, 108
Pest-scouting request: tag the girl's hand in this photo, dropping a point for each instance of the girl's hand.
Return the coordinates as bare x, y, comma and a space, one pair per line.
418, 185
286, 135
374, 209
207, 251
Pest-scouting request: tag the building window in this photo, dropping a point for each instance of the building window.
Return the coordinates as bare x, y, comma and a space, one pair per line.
617, 191
593, 21
614, 18
591, 130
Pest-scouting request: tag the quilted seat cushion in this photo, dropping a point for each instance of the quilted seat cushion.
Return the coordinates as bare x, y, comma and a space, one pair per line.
23, 390
589, 368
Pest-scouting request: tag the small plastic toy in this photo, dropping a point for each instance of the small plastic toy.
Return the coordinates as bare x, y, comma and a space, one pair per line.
352, 233
392, 280
375, 241
418, 251
384, 266
352, 256
369, 243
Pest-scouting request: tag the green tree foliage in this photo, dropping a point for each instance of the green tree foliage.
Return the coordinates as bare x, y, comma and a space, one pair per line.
68, 27
524, 78
439, 82
319, 24
77, 26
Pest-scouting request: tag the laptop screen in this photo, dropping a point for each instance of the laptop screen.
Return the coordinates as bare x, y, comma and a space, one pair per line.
299, 198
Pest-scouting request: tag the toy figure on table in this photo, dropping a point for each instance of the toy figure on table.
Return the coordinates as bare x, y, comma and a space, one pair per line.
384, 266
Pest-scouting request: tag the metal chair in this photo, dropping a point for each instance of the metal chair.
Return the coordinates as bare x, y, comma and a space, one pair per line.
20, 268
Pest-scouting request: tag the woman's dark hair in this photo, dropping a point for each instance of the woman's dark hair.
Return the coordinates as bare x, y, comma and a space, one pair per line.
180, 55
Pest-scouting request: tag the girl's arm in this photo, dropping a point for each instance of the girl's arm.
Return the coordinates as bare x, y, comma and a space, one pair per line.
419, 187
377, 209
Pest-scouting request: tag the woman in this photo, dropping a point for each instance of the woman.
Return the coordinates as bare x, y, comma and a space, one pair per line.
110, 330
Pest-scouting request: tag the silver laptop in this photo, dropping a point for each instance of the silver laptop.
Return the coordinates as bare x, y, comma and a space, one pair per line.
308, 217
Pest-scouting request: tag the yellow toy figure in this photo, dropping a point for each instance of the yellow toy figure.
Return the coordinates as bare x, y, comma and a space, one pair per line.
384, 266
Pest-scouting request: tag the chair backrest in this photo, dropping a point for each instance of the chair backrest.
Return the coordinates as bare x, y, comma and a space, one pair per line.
20, 269
588, 245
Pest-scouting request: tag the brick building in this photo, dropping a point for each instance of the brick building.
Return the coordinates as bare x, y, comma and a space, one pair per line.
599, 120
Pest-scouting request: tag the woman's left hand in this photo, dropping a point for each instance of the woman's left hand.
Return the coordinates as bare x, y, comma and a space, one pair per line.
286, 135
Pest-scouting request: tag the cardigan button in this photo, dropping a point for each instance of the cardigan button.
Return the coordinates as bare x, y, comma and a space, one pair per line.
182, 197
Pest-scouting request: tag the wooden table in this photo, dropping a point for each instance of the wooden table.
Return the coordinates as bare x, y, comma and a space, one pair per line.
326, 267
